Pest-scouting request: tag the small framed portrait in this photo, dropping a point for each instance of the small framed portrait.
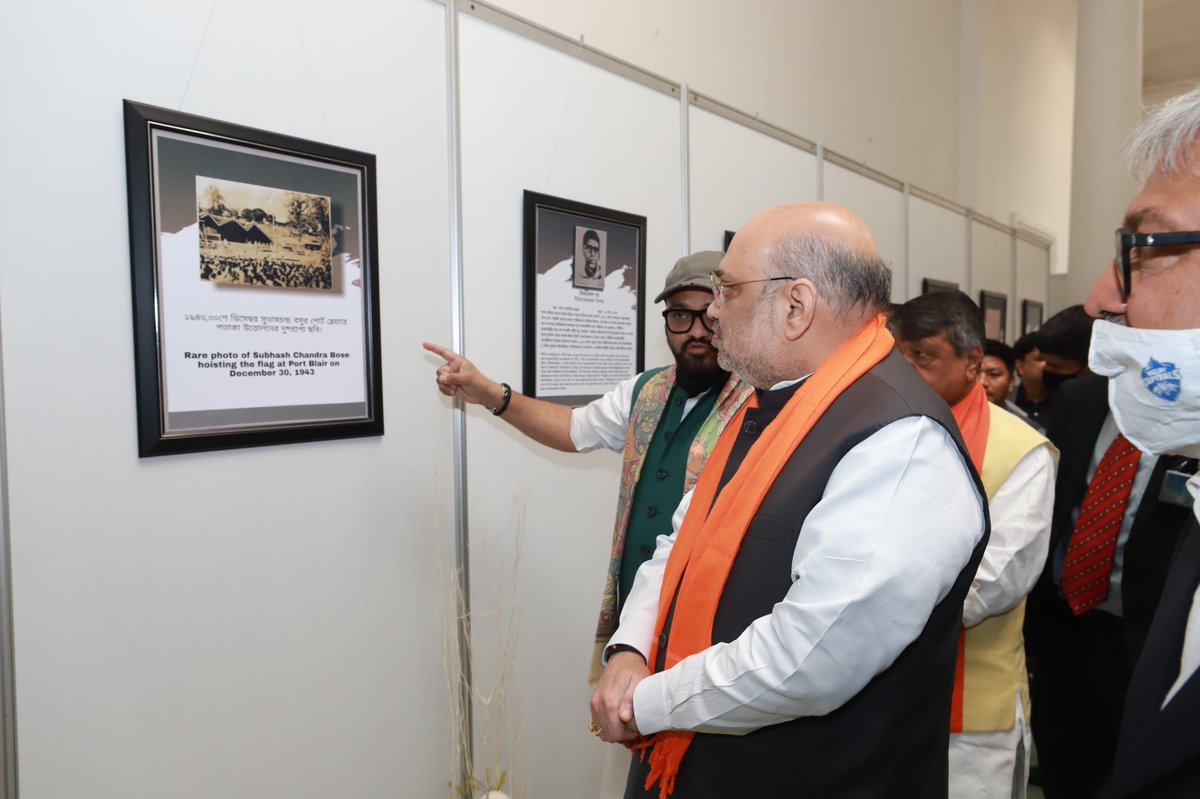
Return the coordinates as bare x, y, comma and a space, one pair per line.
255, 308
994, 308
589, 257
1031, 316
928, 284
585, 286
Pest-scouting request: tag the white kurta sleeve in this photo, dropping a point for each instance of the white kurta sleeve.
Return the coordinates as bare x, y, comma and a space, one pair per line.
605, 420
898, 521
1016, 551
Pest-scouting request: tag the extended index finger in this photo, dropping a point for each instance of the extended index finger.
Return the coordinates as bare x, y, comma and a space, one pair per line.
445, 353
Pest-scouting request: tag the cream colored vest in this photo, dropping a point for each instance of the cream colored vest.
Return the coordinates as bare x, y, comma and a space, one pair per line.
994, 649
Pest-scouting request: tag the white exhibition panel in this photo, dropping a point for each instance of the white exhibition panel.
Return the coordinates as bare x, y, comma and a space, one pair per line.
734, 172
937, 245
1033, 277
992, 269
536, 118
245, 623
882, 208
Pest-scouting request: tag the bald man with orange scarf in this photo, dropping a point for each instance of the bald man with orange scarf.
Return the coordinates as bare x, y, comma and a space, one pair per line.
797, 634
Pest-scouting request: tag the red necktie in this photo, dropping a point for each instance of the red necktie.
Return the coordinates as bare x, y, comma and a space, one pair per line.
1088, 565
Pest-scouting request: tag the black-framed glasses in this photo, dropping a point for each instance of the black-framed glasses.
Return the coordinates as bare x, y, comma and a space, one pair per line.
719, 285
1127, 241
680, 320
592, 247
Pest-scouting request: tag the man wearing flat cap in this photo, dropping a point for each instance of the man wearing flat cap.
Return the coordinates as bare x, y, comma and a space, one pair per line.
666, 421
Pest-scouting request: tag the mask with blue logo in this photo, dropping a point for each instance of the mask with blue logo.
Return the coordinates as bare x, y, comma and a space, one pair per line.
1153, 385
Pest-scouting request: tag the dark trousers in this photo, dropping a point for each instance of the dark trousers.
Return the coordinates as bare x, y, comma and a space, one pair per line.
1081, 670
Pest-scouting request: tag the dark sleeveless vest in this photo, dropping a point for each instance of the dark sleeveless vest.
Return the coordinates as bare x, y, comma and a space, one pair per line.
889, 740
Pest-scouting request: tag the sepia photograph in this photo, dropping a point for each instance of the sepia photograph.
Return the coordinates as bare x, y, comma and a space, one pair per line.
262, 236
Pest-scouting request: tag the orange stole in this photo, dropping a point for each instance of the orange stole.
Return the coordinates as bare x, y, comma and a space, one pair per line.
708, 542
974, 422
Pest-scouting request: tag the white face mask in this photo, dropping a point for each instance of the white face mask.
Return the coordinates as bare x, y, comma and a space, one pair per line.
1153, 386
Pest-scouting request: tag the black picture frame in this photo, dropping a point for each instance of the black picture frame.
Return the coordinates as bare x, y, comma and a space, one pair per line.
575, 353
1031, 316
928, 284
994, 308
728, 240
252, 325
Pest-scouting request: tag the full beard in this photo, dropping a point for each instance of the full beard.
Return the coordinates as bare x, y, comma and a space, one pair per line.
697, 372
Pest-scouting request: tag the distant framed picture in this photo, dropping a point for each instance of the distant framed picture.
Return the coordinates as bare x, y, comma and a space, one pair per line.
584, 290
928, 284
994, 308
1031, 316
728, 240
255, 300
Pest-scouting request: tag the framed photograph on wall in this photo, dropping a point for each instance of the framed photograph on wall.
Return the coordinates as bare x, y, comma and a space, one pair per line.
995, 311
255, 274
728, 240
584, 289
928, 284
1031, 316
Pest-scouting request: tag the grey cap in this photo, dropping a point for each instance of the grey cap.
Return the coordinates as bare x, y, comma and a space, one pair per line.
691, 272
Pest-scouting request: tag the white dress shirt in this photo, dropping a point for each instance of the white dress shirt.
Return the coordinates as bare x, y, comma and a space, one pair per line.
604, 422
1189, 658
896, 524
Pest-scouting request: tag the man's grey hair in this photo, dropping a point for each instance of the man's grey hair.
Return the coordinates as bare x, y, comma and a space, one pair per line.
1166, 138
846, 279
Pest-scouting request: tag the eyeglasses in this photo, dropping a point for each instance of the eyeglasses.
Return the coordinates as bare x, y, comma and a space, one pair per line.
680, 320
1127, 241
719, 285
592, 247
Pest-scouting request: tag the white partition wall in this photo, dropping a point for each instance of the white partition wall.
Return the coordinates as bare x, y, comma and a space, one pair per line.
1032, 277
736, 170
250, 623
881, 203
992, 267
937, 245
537, 118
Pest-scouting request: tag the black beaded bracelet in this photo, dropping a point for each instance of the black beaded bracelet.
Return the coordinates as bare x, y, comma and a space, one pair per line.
504, 400
613, 649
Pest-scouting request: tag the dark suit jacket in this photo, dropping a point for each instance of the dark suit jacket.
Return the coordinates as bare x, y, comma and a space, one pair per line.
1158, 756
1080, 408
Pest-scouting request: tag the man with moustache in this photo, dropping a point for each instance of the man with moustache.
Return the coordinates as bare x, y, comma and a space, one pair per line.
1147, 343
591, 256
801, 623
666, 421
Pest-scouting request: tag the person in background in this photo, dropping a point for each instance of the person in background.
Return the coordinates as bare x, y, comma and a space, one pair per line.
801, 623
665, 421
997, 376
1062, 342
941, 335
1032, 395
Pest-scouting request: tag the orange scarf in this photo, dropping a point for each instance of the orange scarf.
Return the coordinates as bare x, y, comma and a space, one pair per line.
707, 543
974, 419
